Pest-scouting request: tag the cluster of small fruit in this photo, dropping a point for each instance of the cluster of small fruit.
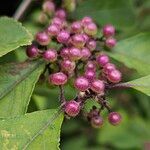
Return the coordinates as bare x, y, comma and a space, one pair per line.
78, 52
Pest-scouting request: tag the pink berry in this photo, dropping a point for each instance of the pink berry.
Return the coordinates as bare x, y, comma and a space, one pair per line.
72, 108
74, 53
76, 27
63, 36
50, 55
86, 20
32, 51
85, 52
86, 37
108, 67
78, 40
91, 44
108, 30
42, 38
102, 59
57, 21
48, 7
58, 78
60, 13
98, 86
68, 65
64, 53
90, 29
81, 84
114, 118
53, 30
90, 75
110, 42
90, 66
97, 121
114, 76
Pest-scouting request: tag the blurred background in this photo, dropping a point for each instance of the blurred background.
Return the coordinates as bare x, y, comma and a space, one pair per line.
130, 18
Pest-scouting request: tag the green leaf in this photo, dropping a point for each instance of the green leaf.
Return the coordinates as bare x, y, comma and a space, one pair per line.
117, 12
134, 53
20, 84
36, 131
12, 35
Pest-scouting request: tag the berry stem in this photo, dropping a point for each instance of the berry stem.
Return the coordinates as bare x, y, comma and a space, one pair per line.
62, 96
120, 86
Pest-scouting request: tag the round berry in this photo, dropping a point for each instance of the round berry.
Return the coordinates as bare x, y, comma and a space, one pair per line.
76, 27
81, 84
43, 18
58, 78
74, 53
91, 44
53, 30
114, 76
85, 52
98, 86
91, 29
86, 20
97, 121
42, 38
108, 30
64, 53
86, 37
32, 51
102, 59
50, 55
114, 118
90, 66
63, 36
72, 108
57, 21
90, 75
110, 42
60, 13
68, 65
48, 7
108, 67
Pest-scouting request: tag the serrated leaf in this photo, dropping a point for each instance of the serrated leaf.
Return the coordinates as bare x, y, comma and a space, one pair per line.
134, 53
12, 35
117, 12
36, 131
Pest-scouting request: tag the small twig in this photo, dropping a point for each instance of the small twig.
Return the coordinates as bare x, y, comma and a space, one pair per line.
21, 9
62, 96
120, 85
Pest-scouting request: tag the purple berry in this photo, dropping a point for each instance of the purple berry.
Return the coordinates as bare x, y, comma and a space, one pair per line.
86, 20
81, 84
90, 75
61, 13
42, 38
32, 51
91, 44
53, 30
85, 52
90, 66
58, 22
74, 53
48, 7
50, 55
114, 76
63, 36
114, 118
102, 59
108, 67
90, 29
68, 65
72, 108
76, 27
98, 86
97, 121
86, 37
64, 53
110, 42
108, 30
58, 78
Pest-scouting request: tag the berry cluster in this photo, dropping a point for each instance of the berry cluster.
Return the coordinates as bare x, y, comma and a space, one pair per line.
77, 58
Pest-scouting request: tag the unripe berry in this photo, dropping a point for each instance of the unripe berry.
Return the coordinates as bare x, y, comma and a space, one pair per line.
76, 27
90, 66
108, 30
114, 76
63, 36
85, 52
64, 53
68, 65
60, 13
97, 121
50, 55
78, 40
81, 84
43, 18
42, 38
108, 67
74, 53
90, 75
98, 86
102, 59
110, 42
48, 7
86, 20
91, 44
72, 108
58, 78
90, 29
32, 51
53, 30
57, 21
114, 118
